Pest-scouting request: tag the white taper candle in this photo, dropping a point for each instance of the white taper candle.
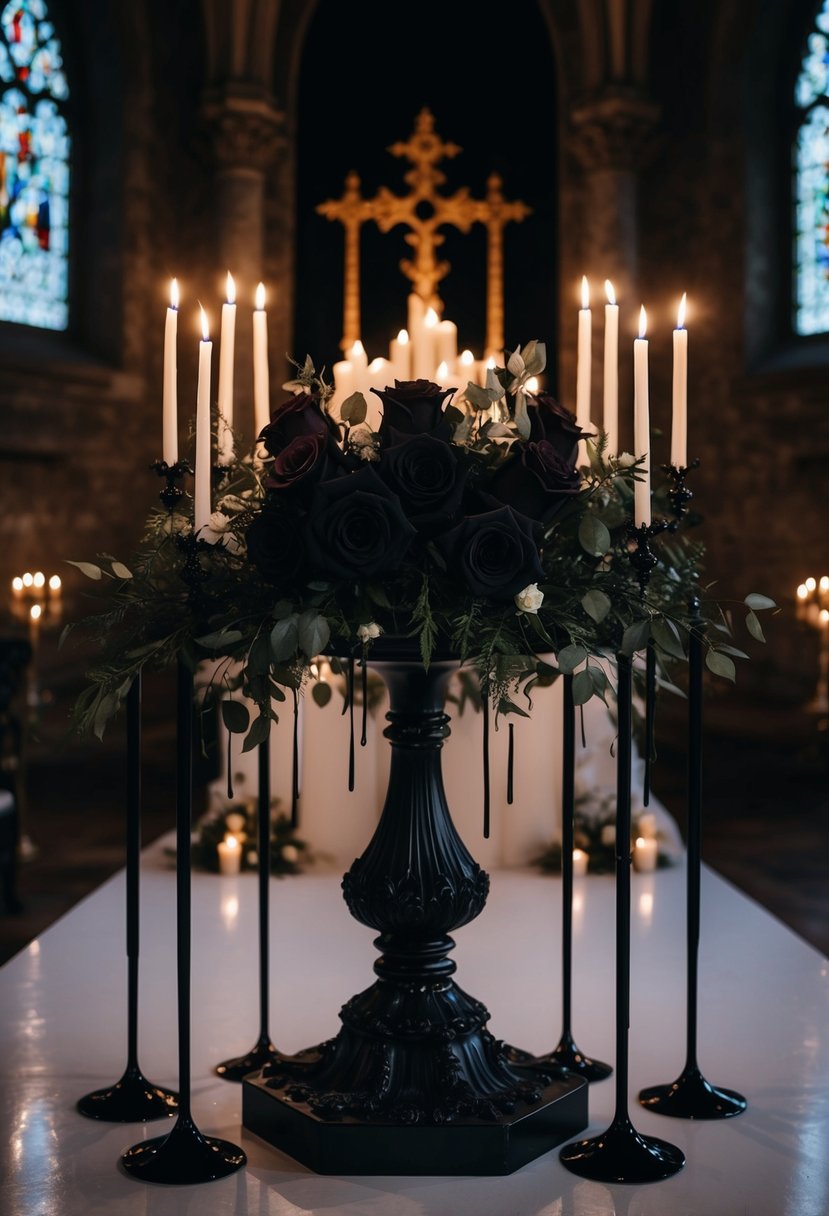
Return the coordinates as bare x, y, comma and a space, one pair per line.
641, 425
204, 471
169, 423
679, 427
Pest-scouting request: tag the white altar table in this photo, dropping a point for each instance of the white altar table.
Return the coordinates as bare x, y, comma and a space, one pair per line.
764, 1030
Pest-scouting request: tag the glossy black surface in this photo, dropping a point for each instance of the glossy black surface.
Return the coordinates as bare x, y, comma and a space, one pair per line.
133, 1099
692, 1097
183, 1157
622, 1154
262, 1053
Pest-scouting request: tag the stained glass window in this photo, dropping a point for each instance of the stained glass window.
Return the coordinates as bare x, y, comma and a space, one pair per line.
811, 181
34, 169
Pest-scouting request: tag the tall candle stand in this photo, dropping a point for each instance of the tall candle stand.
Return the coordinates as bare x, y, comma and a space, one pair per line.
172, 493
133, 1099
621, 1153
263, 1051
185, 1155
691, 1096
679, 496
566, 1053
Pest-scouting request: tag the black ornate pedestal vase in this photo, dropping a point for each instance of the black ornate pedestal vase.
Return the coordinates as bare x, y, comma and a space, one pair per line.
414, 1083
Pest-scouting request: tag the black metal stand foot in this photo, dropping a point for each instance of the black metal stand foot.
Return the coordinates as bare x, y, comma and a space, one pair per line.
133, 1099
622, 1154
183, 1157
262, 1053
568, 1057
692, 1097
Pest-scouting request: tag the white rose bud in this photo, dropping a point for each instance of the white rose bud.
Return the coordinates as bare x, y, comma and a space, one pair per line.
624, 460
530, 599
366, 632
290, 853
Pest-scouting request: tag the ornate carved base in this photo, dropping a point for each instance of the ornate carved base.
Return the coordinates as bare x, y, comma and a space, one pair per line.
414, 1083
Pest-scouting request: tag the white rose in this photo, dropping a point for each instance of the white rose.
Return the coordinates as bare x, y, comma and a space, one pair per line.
366, 632
624, 460
290, 853
176, 525
530, 599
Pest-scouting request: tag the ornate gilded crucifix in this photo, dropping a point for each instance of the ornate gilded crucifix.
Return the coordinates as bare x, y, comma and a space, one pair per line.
424, 211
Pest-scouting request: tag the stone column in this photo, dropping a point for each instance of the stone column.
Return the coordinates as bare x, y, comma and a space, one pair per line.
248, 138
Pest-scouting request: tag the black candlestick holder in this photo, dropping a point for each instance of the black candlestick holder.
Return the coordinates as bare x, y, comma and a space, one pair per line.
184, 1155
691, 1096
263, 1051
566, 1054
642, 557
621, 1153
172, 493
133, 1099
679, 496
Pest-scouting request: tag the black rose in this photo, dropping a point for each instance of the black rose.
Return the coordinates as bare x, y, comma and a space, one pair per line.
275, 547
356, 527
554, 423
299, 415
425, 474
413, 407
495, 552
535, 480
301, 463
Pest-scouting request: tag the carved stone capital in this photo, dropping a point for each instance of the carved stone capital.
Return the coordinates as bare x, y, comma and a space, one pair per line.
246, 133
614, 131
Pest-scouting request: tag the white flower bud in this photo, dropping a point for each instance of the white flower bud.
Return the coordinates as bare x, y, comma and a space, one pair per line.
366, 632
530, 599
624, 460
290, 853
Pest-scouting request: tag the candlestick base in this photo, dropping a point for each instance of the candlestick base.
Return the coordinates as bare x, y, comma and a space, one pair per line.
183, 1157
622, 1154
568, 1056
263, 1052
692, 1097
172, 494
133, 1099
679, 495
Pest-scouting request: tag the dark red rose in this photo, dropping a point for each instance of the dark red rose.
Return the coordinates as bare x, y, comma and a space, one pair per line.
356, 527
300, 463
425, 474
413, 407
495, 552
299, 415
535, 480
554, 422
275, 547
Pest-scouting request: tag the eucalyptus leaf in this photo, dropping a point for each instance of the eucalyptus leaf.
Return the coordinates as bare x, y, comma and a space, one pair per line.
754, 627
515, 363
600, 681
285, 638
522, 418
313, 632
377, 595
667, 637
220, 639
758, 602
258, 733
121, 571
354, 409
321, 692
235, 716
594, 537
570, 658
583, 687
596, 604
477, 397
89, 569
494, 387
721, 665
635, 637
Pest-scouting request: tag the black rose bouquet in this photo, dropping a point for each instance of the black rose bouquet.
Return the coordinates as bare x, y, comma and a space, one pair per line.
484, 524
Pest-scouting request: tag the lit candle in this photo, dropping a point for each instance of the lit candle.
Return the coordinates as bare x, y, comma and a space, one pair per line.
811, 583
55, 584
28, 579
17, 587
611, 370
641, 425
226, 360
584, 358
679, 429
802, 596
169, 423
446, 342
400, 354
358, 359
343, 386
580, 860
423, 351
39, 584
532, 384
644, 854
466, 366
204, 471
230, 855
35, 613
261, 376
379, 376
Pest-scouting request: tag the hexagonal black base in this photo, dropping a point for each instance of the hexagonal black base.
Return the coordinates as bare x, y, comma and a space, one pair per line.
476, 1147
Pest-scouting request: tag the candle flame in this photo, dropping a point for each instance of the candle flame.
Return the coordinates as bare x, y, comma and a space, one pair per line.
824, 616
231, 841
680, 315
357, 349
802, 591
443, 370
205, 332
174, 294
643, 322
55, 583
609, 292
491, 361
376, 365
35, 611
640, 840
532, 384
17, 584
585, 292
467, 358
231, 289
810, 583
28, 580
403, 337
431, 318
824, 583
39, 579
259, 298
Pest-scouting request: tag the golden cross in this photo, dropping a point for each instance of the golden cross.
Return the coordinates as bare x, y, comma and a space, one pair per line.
424, 211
